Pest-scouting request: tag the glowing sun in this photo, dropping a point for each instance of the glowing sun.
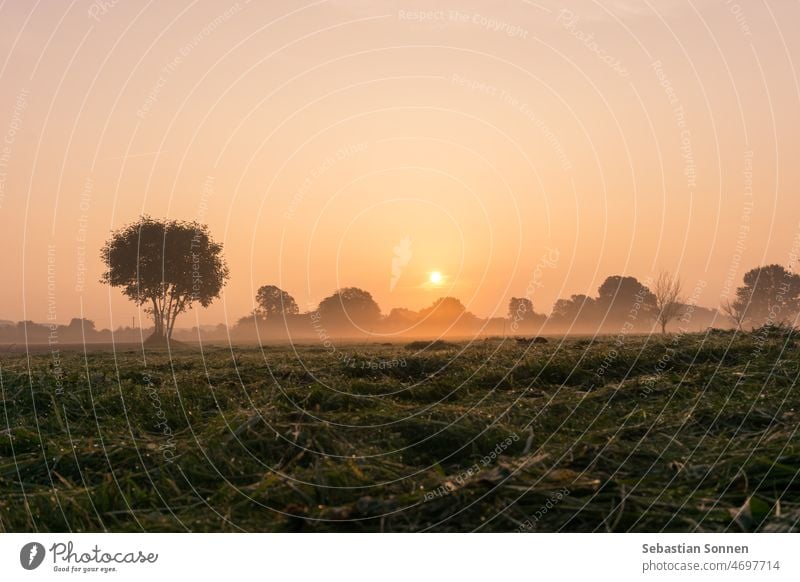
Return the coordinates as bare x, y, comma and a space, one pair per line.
435, 278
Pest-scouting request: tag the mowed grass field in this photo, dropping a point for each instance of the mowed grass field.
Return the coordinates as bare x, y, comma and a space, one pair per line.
683, 433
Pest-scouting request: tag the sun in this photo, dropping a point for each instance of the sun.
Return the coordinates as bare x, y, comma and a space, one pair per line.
435, 278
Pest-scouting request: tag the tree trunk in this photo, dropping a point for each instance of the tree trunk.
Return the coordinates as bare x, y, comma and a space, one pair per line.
156, 319
158, 322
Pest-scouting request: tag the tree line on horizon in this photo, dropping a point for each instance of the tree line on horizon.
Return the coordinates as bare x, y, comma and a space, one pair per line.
770, 295
166, 266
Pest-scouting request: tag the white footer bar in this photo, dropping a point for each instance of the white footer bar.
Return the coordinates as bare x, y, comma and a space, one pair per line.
401, 557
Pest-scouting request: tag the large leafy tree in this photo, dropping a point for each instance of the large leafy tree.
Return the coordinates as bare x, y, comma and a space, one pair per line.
272, 300
444, 309
520, 308
577, 310
401, 316
618, 296
769, 294
522, 315
349, 305
165, 265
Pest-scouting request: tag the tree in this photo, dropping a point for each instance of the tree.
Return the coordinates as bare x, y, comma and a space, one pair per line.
770, 294
575, 311
273, 301
444, 308
735, 311
247, 320
521, 314
167, 265
349, 305
519, 308
621, 298
666, 297
82, 324
400, 316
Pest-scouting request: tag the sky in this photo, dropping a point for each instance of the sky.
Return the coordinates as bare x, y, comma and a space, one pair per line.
518, 148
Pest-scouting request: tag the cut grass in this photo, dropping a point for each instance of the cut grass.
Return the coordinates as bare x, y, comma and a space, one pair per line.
697, 433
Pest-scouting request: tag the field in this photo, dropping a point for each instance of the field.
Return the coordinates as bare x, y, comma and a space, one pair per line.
682, 433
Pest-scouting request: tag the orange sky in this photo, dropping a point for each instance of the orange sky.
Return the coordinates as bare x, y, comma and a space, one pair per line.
516, 145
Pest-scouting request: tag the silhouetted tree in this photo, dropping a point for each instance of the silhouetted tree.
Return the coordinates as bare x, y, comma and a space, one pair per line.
446, 314
735, 311
273, 301
401, 317
667, 299
521, 313
78, 330
166, 265
87, 325
349, 305
444, 308
576, 310
247, 320
621, 297
519, 307
769, 294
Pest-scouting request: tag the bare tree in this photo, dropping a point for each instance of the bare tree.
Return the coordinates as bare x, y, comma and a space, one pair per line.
736, 311
667, 292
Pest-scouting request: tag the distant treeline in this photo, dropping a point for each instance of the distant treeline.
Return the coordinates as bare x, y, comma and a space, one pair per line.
167, 266
769, 295
623, 305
